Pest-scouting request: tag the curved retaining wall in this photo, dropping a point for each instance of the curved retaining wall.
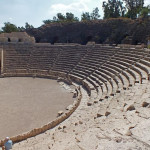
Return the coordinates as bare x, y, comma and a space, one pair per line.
51, 124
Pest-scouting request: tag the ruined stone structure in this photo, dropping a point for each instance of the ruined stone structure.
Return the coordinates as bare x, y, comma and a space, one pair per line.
102, 70
16, 37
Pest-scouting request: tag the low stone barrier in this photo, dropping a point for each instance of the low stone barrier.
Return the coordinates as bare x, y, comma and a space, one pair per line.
49, 125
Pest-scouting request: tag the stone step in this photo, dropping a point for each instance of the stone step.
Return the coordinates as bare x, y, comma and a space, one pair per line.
104, 86
109, 79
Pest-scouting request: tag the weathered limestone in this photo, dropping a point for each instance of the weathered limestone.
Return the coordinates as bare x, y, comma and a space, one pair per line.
60, 113
3, 40
16, 37
108, 75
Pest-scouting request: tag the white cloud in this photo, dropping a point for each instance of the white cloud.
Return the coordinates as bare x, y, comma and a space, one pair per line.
75, 7
146, 2
10, 19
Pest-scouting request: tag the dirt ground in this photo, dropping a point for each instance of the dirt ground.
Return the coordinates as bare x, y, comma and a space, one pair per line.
27, 103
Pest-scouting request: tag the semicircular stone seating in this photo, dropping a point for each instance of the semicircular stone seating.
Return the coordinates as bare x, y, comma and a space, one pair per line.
102, 70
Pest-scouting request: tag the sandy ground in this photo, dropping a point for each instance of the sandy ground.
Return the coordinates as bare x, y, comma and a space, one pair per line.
27, 103
121, 122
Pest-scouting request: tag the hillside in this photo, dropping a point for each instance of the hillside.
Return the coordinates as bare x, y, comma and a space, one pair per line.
112, 31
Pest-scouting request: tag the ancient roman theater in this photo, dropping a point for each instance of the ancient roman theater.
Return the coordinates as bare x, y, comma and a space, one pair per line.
72, 96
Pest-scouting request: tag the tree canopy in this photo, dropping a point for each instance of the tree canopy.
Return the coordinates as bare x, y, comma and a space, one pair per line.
124, 8
28, 26
85, 16
145, 11
95, 14
68, 17
134, 7
9, 27
113, 9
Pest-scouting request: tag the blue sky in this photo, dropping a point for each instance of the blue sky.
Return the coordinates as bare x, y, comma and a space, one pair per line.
35, 11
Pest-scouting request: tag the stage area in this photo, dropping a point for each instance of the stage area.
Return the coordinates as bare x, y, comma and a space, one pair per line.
27, 103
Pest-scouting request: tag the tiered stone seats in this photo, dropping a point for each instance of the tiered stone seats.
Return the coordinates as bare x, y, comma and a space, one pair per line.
128, 69
107, 73
16, 57
43, 57
145, 64
130, 58
69, 57
95, 57
114, 72
102, 70
92, 60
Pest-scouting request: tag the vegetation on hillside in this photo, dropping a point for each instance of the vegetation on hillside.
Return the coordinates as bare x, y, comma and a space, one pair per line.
112, 9
9, 27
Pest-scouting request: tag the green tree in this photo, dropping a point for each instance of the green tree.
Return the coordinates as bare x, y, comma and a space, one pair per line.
54, 19
95, 14
113, 9
85, 16
28, 26
60, 17
133, 7
144, 12
9, 27
21, 29
47, 21
70, 17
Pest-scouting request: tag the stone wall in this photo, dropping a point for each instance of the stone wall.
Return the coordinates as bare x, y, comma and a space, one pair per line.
16, 37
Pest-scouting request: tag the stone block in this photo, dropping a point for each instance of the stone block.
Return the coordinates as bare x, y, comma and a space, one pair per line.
60, 113
3, 39
14, 39
89, 103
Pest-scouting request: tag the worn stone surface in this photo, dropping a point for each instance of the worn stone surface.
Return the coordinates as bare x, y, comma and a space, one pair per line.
120, 129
